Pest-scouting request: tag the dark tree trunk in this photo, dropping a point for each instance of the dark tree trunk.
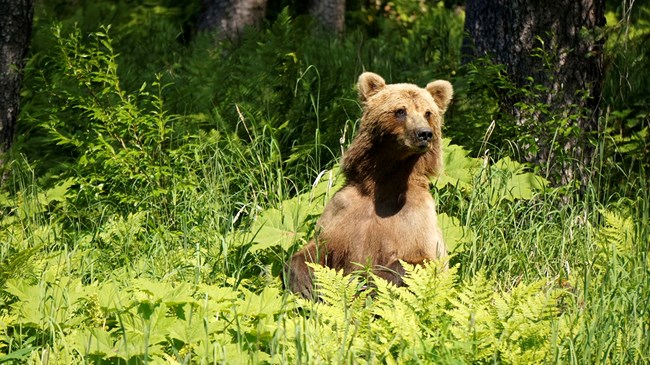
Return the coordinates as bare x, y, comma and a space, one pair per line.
230, 17
15, 34
512, 32
330, 13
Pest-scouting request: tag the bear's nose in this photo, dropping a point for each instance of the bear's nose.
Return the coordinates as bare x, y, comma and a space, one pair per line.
424, 134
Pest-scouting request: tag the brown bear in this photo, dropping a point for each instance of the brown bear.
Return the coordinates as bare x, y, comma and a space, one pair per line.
385, 212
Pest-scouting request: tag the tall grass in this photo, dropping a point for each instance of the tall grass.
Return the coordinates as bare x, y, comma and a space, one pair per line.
189, 264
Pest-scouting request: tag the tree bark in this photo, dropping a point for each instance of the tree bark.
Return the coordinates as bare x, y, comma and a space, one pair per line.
330, 13
15, 34
556, 45
230, 17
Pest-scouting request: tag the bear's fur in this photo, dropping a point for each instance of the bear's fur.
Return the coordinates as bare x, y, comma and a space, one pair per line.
385, 212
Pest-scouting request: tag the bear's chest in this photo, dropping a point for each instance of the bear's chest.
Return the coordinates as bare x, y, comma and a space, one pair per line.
411, 226
404, 227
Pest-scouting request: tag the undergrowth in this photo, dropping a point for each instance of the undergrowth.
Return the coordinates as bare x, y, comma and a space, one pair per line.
149, 207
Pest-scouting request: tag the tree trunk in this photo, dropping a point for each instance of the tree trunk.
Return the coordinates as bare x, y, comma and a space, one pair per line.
230, 17
15, 34
557, 46
330, 13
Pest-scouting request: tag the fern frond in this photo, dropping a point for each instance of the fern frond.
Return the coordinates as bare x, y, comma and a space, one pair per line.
430, 287
340, 321
472, 317
617, 234
397, 320
333, 288
525, 316
411, 321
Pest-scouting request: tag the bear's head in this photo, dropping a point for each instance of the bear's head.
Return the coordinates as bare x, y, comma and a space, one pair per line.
404, 119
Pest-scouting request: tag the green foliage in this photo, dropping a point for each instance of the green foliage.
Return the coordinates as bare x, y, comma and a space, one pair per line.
29, 223
627, 122
303, 93
160, 185
134, 170
142, 320
294, 218
479, 117
122, 144
508, 179
432, 320
617, 236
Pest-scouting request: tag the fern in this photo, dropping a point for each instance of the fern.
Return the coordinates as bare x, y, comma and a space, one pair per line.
472, 319
394, 321
616, 236
339, 321
429, 285
434, 319
525, 318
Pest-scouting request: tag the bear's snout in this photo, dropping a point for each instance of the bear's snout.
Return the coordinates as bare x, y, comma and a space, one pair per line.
424, 134
420, 139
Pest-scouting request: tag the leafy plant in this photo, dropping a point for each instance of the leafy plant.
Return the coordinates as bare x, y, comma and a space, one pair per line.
432, 320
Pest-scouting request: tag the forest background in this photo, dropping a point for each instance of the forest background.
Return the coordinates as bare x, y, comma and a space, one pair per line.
162, 171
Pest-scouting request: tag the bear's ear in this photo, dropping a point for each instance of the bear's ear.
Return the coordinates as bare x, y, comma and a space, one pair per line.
442, 91
369, 84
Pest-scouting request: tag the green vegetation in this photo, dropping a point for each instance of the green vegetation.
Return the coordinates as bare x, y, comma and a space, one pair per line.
157, 188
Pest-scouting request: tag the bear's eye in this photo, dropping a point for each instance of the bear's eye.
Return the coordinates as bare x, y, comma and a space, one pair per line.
427, 115
400, 113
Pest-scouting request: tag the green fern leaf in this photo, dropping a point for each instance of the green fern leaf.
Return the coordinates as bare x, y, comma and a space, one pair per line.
472, 316
617, 234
